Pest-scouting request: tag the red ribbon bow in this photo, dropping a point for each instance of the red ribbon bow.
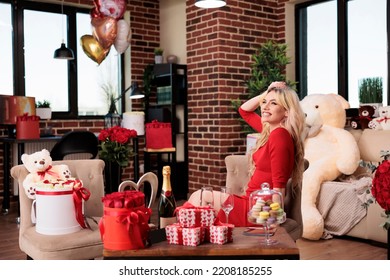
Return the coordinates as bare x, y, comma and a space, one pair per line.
49, 172
136, 221
383, 119
79, 194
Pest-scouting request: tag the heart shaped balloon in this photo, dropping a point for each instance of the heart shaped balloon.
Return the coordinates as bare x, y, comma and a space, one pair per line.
93, 49
123, 36
111, 8
104, 30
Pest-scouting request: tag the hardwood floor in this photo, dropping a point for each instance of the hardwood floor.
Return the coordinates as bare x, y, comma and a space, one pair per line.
332, 249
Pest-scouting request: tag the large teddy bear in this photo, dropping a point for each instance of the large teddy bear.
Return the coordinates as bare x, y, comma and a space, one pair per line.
332, 151
39, 164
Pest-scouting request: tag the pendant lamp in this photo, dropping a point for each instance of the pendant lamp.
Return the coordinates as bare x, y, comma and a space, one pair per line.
63, 52
210, 3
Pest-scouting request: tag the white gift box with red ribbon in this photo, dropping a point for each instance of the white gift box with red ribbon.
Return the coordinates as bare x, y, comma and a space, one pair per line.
221, 234
190, 216
184, 236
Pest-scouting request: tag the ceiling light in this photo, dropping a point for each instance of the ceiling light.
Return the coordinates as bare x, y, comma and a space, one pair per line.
210, 3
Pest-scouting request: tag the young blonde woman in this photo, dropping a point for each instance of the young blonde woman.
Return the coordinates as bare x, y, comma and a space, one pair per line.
279, 153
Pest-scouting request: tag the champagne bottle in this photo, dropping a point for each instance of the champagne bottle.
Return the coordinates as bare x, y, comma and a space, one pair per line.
167, 203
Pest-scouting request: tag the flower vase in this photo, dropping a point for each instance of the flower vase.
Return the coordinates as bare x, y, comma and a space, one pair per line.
112, 176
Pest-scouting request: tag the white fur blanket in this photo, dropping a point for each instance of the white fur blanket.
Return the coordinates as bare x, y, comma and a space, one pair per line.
342, 205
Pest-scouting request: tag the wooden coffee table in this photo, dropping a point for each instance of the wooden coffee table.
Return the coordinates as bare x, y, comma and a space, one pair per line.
242, 247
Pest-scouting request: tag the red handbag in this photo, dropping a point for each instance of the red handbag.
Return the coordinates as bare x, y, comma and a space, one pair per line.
158, 135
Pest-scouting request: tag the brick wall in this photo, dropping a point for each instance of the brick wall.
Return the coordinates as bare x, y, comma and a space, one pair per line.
220, 43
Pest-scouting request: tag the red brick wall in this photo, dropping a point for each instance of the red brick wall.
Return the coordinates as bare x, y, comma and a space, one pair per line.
220, 43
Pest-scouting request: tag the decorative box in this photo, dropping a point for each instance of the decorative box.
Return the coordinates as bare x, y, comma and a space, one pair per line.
178, 235
57, 208
221, 234
174, 234
134, 120
124, 225
13, 106
191, 216
27, 127
158, 135
192, 236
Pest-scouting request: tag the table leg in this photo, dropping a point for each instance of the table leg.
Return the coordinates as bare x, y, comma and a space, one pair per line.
6, 181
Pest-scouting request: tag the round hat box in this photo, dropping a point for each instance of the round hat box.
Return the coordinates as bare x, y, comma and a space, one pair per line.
54, 212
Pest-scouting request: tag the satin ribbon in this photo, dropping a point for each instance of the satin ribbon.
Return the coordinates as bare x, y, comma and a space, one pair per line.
53, 192
49, 172
383, 119
135, 220
79, 194
26, 117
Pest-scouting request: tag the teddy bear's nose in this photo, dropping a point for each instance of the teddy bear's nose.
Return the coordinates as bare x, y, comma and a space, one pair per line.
41, 162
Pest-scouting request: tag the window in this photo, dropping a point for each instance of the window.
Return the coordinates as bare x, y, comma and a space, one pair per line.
74, 88
6, 53
340, 43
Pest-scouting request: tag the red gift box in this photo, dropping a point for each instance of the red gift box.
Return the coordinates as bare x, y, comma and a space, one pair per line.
124, 225
191, 216
221, 234
27, 127
158, 135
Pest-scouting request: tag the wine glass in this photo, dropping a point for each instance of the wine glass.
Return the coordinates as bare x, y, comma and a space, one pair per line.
266, 210
207, 197
227, 201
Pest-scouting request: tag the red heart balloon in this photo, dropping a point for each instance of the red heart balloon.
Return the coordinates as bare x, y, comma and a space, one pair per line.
104, 30
112, 8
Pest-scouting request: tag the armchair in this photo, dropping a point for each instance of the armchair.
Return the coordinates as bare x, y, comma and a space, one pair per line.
237, 177
84, 244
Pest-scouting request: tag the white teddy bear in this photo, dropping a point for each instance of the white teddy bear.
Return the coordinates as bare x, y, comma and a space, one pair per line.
331, 152
39, 164
383, 121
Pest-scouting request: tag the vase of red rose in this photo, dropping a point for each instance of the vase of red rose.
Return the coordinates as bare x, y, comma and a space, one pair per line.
116, 152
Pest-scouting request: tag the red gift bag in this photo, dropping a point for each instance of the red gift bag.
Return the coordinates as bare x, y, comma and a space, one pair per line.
158, 135
27, 127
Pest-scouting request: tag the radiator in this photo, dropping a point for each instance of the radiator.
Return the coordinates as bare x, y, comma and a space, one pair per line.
30, 148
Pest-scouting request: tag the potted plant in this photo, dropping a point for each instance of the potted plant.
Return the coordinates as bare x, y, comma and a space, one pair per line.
269, 65
158, 55
371, 92
43, 109
112, 118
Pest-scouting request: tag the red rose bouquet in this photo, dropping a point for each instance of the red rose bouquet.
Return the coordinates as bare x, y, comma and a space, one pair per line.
380, 189
114, 145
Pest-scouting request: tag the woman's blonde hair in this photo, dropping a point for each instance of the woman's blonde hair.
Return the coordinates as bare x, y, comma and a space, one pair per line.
293, 123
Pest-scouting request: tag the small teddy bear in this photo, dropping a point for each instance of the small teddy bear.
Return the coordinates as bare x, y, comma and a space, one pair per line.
39, 164
366, 114
383, 121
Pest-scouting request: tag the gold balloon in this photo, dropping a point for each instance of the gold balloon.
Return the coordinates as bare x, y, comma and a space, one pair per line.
104, 30
93, 49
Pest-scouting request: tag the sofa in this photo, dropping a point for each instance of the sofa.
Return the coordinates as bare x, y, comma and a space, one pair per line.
341, 201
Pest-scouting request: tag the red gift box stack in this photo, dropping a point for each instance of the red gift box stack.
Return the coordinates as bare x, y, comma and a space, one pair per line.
124, 225
197, 225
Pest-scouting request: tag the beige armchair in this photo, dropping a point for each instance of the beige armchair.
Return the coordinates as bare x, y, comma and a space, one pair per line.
84, 244
237, 177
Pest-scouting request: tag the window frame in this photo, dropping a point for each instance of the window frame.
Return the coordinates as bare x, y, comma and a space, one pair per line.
342, 47
18, 8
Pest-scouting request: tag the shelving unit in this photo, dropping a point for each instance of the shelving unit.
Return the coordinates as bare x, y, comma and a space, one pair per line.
168, 103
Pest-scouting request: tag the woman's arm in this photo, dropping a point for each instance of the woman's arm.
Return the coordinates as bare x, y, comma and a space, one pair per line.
251, 104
